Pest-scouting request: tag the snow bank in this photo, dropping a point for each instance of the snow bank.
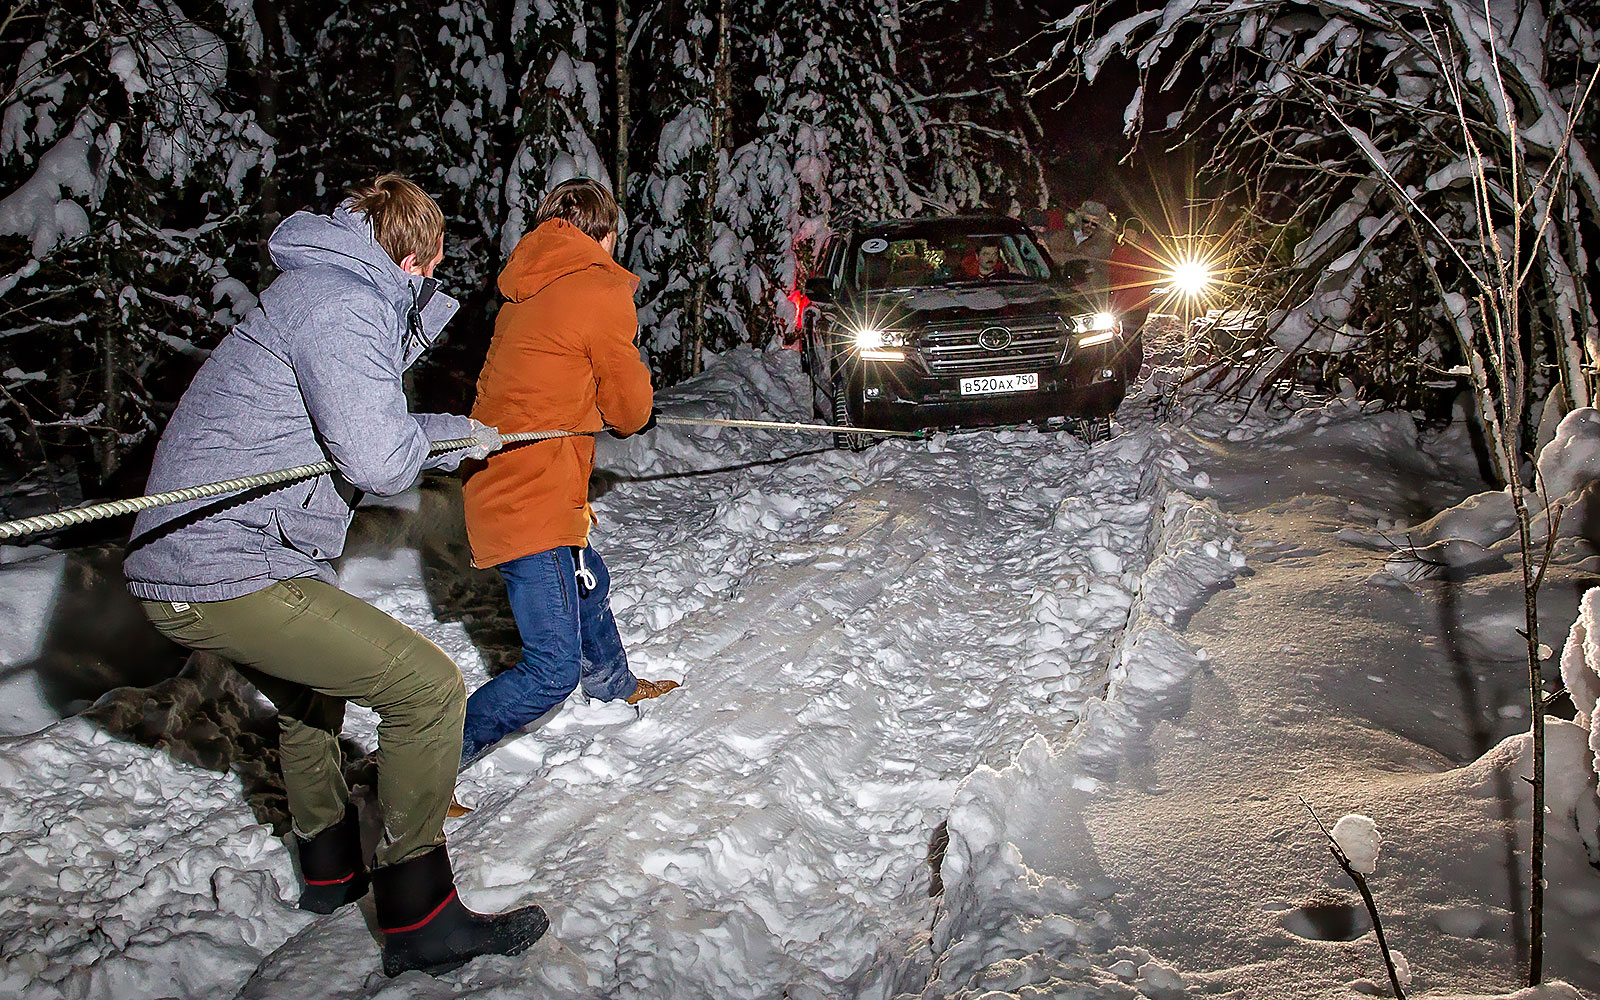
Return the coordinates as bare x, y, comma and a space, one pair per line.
1474, 544
1580, 670
1193, 542
30, 577
1024, 893
1567, 466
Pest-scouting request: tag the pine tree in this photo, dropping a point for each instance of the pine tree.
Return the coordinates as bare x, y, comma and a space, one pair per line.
125, 160
558, 117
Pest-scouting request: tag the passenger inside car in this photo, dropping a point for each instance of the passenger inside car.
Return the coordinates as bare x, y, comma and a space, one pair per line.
908, 271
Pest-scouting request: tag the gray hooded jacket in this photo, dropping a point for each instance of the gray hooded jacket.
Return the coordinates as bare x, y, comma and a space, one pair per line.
312, 374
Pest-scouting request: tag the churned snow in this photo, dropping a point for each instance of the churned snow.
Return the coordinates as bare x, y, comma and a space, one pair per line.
992, 714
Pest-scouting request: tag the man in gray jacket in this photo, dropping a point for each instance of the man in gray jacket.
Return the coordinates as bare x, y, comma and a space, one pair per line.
314, 374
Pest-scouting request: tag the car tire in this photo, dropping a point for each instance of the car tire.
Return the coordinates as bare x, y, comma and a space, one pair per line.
1090, 430
1133, 361
841, 418
821, 402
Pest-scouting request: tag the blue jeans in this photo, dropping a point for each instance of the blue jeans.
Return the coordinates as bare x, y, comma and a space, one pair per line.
567, 637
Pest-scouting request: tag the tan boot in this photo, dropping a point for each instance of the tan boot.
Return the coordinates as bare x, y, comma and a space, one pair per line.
650, 689
456, 810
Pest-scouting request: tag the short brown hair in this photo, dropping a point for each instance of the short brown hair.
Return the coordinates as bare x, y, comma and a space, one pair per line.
583, 202
404, 219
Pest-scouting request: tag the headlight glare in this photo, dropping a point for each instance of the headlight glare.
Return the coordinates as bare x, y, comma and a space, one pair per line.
1094, 322
871, 338
1191, 278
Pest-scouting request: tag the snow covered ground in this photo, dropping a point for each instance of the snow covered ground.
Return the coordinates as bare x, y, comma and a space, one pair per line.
993, 714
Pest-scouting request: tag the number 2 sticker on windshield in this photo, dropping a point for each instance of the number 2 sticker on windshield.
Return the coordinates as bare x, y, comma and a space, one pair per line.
875, 245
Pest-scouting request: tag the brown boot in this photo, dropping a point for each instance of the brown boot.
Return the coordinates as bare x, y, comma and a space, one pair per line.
455, 810
650, 689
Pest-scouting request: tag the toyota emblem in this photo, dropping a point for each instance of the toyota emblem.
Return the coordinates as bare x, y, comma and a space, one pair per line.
994, 338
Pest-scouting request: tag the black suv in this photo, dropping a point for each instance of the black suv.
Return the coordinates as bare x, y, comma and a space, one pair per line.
959, 321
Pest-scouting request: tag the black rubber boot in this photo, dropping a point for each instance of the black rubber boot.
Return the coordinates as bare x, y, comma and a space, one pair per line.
426, 927
331, 865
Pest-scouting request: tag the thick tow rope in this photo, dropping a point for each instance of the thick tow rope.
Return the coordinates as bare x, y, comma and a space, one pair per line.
115, 508
782, 425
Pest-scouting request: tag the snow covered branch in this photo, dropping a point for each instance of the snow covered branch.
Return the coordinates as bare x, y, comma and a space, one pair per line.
1406, 151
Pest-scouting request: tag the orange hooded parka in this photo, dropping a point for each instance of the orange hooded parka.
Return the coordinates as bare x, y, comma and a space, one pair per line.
563, 357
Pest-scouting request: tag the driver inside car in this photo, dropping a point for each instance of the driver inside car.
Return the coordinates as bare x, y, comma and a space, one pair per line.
983, 262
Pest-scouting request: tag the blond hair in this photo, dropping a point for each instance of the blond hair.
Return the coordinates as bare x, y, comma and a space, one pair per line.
583, 202
405, 221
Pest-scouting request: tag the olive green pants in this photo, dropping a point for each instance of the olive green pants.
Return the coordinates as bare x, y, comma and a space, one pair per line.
309, 648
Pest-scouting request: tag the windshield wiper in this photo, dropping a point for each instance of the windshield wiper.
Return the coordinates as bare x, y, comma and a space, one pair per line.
996, 279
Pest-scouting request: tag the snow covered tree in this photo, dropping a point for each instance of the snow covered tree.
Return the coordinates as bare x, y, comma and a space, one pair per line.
1362, 118
969, 62
668, 246
149, 149
124, 165
753, 169
558, 115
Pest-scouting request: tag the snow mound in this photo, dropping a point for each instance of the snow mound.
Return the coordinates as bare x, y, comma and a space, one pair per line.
1580, 670
1570, 799
741, 383
1447, 558
1567, 466
1572, 459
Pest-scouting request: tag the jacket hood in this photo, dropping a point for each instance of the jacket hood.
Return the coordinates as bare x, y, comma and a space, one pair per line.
344, 239
554, 250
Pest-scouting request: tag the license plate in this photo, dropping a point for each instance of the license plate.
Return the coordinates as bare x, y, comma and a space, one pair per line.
986, 384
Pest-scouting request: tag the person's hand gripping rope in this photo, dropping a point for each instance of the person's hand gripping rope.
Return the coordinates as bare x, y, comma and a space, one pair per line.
489, 441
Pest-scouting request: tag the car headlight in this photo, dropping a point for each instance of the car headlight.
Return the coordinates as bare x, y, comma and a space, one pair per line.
1094, 322
870, 338
1095, 328
876, 343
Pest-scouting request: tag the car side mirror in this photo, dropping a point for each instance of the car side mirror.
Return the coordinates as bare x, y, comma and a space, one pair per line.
1072, 272
819, 289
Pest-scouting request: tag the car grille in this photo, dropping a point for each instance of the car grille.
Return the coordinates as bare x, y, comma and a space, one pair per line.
953, 348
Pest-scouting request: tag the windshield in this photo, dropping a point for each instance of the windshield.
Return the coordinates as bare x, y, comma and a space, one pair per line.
948, 259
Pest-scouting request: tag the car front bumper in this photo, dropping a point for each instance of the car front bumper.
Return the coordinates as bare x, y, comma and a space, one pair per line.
901, 396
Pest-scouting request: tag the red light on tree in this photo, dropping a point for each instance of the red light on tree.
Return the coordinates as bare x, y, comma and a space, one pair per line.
801, 301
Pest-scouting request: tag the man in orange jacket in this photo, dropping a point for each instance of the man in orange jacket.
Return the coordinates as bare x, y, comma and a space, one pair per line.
563, 357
